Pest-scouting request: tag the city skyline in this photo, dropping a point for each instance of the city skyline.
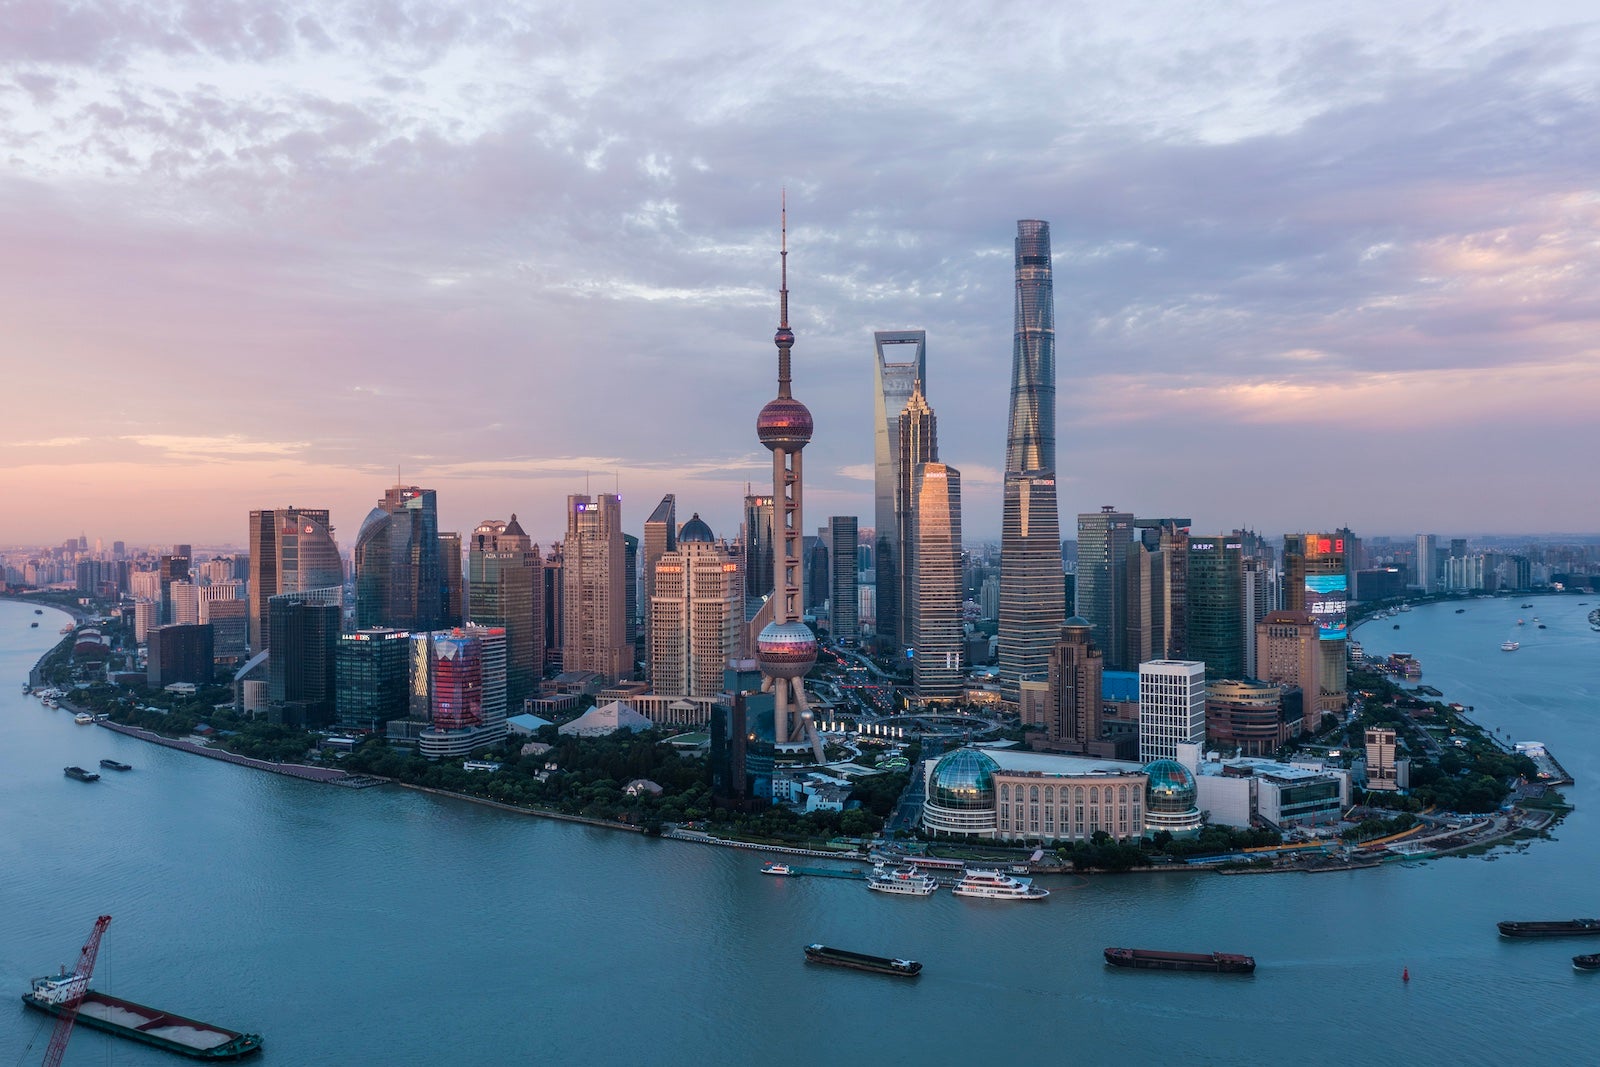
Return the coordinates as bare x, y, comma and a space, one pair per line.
265, 255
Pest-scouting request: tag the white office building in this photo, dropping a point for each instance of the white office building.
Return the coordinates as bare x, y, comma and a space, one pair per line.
1172, 707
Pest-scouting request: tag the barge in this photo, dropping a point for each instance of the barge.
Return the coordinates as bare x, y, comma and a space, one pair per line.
1556, 928
137, 1022
1152, 960
80, 774
860, 961
113, 765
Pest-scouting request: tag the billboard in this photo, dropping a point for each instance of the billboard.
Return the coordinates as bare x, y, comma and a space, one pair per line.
1325, 600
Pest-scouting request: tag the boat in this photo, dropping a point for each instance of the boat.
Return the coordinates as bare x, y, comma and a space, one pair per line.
776, 868
1510, 646
907, 881
111, 764
34, 625
66, 629
80, 774
1461, 611
862, 962
992, 885
146, 1025
1586, 963
1526, 605
51, 702
83, 718
1212, 962
1542, 626
1552, 928
38, 611
1397, 626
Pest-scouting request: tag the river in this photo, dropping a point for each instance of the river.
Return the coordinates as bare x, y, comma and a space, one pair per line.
388, 926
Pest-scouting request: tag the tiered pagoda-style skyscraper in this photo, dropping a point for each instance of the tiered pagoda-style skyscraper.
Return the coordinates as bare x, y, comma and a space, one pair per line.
1032, 589
786, 647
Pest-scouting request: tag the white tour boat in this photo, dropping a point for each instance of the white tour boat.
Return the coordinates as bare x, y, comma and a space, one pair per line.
83, 718
904, 880
993, 885
776, 868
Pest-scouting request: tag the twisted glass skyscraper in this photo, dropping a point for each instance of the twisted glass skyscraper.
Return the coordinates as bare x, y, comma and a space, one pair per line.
1032, 597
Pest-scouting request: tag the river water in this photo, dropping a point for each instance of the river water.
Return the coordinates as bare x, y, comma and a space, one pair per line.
387, 926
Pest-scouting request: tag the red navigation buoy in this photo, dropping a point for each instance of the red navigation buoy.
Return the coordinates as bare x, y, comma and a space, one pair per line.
1405, 974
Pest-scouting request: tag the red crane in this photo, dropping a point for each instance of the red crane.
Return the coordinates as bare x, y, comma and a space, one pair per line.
69, 991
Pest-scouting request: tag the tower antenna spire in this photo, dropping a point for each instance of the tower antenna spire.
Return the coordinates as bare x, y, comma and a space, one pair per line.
783, 259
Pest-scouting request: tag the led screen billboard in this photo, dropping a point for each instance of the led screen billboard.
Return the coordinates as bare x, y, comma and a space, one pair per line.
1325, 600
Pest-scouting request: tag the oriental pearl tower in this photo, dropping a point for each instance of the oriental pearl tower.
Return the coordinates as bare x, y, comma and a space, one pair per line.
786, 647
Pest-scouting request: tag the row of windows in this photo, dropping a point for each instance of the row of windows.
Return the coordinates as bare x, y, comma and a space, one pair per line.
1076, 793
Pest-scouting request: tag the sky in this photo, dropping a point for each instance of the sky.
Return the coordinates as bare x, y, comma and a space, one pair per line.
1314, 266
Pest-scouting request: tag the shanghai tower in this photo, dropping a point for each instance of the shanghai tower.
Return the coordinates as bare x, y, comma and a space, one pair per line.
1032, 593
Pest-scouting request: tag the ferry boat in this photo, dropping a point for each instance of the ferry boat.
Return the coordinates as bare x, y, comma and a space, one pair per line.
907, 881
146, 1025
80, 774
1586, 963
111, 764
776, 868
51, 702
860, 961
1510, 646
992, 885
34, 625
83, 718
1212, 962
1551, 928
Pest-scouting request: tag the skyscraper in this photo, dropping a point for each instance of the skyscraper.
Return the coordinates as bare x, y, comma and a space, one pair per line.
505, 589
370, 678
660, 537
937, 634
696, 610
302, 634
1172, 707
292, 550
786, 647
1076, 706
893, 383
756, 536
595, 600
1216, 604
844, 615
1032, 592
455, 586
1314, 582
917, 434
1104, 539
400, 574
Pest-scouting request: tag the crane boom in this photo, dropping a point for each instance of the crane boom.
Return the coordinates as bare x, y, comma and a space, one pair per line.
71, 993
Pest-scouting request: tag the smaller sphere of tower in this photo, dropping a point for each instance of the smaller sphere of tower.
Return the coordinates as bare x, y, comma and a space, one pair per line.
784, 423
786, 649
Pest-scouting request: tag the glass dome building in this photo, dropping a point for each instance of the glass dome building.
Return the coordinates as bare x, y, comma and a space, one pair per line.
1171, 799
961, 794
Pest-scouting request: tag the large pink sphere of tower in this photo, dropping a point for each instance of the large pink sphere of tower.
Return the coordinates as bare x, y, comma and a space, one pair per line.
784, 423
786, 649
